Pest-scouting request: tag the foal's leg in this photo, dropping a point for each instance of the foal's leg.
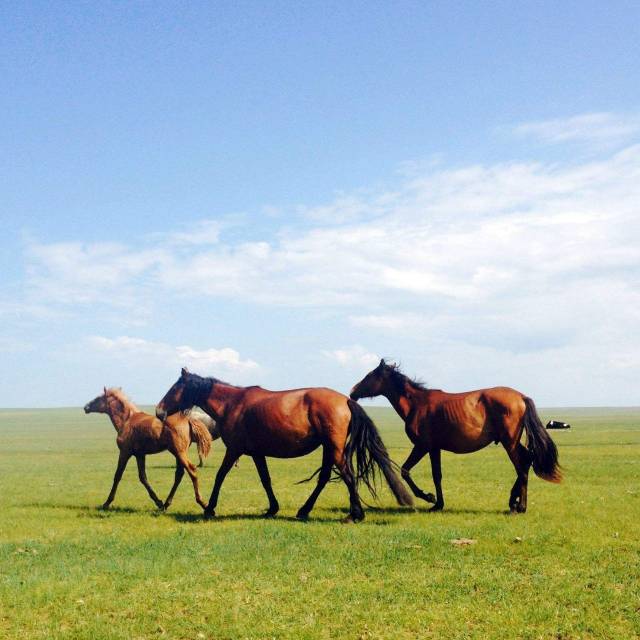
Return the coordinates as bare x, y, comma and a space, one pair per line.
417, 453
183, 459
225, 467
176, 484
436, 472
263, 472
142, 474
122, 464
521, 459
323, 478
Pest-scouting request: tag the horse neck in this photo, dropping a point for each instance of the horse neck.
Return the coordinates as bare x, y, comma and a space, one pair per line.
401, 400
120, 412
219, 399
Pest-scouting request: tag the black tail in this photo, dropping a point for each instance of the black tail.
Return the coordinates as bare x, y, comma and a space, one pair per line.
541, 447
365, 444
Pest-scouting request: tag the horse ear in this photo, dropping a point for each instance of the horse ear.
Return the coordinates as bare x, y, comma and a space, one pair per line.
184, 372
382, 362
105, 390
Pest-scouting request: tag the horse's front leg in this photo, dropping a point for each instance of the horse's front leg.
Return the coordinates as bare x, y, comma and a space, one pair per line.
176, 483
122, 465
265, 478
142, 474
417, 453
227, 462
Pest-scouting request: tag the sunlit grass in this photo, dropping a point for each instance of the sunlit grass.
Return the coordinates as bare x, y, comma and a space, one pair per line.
569, 568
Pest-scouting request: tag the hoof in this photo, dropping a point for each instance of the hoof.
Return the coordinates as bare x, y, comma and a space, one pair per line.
430, 498
267, 515
105, 506
436, 507
350, 519
302, 516
209, 515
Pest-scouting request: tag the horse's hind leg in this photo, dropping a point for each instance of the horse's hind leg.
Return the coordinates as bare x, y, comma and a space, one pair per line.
183, 459
436, 472
417, 453
142, 474
176, 483
323, 478
265, 478
521, 459
356, 513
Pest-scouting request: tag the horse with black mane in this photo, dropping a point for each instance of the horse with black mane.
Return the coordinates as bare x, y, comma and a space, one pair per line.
287, 424
463, 423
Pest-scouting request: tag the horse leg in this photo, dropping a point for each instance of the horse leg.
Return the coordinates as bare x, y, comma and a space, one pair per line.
142, 474
225, 467
265, 478
190, 468
417, 453
122, 464
436, 472
323, 478
356, 513
521, 459
200, 461
176, 484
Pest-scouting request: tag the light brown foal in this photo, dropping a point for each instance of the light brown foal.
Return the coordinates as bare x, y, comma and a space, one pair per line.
140, 434
463, 423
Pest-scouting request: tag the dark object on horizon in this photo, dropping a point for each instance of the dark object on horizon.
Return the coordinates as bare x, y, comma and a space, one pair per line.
555, 424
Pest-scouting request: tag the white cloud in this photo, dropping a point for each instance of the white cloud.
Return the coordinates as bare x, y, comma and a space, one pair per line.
355, 356
392, 322
205, 362
589, 127
466, 235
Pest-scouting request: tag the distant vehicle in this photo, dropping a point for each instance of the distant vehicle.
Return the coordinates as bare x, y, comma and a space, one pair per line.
555, 424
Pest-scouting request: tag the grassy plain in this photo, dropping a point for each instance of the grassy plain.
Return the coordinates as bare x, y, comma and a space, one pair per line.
569, 568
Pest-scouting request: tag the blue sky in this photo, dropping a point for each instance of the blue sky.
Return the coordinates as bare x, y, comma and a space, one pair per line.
279, 193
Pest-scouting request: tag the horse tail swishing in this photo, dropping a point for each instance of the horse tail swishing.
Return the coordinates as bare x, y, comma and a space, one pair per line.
544, 454
365, 444
201, 436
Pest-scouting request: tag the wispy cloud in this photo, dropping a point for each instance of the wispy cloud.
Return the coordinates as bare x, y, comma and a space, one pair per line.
355, 356
595, 128
206, 361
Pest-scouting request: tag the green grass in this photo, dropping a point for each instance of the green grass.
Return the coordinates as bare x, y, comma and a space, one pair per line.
69, 570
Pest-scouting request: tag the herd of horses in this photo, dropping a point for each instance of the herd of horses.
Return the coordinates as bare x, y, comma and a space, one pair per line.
259, 423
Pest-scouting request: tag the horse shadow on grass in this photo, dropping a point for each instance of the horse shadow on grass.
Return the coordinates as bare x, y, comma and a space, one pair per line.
401, 511
86, 510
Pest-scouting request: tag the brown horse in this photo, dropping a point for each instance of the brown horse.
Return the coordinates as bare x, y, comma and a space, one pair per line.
140, 434
289, 424
463, 423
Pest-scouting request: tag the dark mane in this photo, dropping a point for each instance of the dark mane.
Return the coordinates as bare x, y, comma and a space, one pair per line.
399, 379
195, 388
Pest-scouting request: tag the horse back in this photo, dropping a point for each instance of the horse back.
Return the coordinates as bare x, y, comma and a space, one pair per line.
468, 421
286, 423
145, 433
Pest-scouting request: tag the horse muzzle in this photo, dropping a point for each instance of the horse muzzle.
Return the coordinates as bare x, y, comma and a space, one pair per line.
161, 414
87, 408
